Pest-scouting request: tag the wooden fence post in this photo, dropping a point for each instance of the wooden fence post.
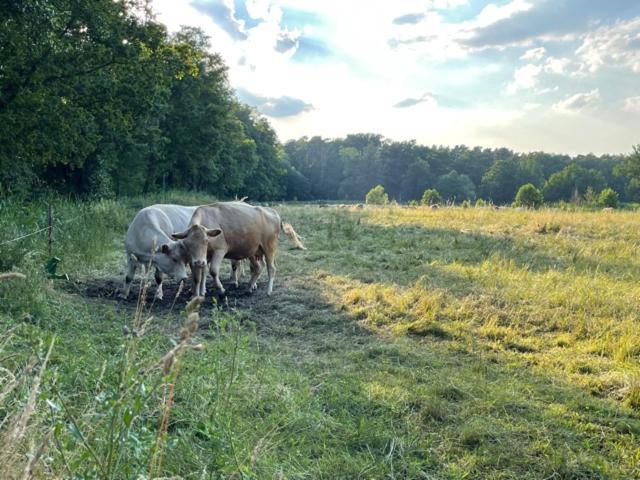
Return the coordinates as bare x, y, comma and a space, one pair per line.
50, 229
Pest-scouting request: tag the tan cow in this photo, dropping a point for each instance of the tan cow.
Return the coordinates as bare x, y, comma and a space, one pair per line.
233, 230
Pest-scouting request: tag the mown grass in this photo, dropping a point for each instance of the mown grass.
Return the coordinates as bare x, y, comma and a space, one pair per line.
404, 343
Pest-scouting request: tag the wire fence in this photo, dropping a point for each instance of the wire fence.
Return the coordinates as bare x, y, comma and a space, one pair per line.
50, 227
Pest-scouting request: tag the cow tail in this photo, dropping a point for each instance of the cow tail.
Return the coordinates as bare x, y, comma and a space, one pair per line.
287, 228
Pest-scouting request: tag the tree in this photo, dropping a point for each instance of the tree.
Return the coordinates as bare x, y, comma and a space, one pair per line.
431, 197
528, 196
630, 165
454, 186
377, 196
629, 169
608, 198
500, 182
572, 180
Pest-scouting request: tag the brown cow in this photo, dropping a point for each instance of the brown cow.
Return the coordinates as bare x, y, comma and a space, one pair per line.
233, 230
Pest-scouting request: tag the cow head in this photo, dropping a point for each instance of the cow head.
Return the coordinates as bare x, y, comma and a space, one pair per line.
195, 240
172, 259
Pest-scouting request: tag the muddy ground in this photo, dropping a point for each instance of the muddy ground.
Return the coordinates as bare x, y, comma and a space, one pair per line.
173, 299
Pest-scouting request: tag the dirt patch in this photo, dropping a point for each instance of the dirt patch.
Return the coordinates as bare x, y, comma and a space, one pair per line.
109, 290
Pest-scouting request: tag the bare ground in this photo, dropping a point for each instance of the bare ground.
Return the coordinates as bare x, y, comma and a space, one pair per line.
108, 289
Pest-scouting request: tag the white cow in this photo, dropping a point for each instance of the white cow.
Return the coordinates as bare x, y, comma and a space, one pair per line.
148, 242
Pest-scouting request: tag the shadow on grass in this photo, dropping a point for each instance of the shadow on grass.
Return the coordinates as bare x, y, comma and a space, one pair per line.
415, 409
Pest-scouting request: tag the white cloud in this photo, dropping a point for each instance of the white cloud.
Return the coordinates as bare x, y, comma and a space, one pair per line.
524, 78
578, 102
534, 54
493, 13
355, 88
556, 65
542, 91
632, 104
615, 45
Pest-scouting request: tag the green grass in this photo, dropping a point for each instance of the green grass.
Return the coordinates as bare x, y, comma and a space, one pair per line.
404, 343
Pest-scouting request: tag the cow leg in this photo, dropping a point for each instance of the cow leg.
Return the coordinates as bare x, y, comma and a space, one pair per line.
236, 271
203, 281
214, 268
158, 277
128, 278
256, 269
270, 258
196, 277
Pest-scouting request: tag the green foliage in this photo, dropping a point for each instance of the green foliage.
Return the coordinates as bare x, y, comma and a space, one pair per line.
500, 182
431, 197
377, 196
630, 166
454, 186
480, 203
572, 182
608, 198
528, 196
590, 196
97, 99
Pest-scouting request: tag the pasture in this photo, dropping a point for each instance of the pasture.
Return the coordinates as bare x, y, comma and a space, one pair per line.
404, 343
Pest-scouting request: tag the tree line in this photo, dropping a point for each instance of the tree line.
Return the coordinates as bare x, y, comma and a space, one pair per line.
97, 99
348, 168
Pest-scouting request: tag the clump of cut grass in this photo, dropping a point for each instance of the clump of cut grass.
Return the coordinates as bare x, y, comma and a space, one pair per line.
631, 392
479, 433
423, 328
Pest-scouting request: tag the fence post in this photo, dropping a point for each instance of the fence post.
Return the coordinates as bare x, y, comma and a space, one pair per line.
50, 227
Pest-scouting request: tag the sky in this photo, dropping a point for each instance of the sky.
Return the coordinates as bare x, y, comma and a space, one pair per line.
532, 75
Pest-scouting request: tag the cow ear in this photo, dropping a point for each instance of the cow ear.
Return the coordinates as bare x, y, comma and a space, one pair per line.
180, 235
213, 232
164, 249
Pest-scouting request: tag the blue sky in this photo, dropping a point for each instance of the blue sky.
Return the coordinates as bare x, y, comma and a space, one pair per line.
553, 75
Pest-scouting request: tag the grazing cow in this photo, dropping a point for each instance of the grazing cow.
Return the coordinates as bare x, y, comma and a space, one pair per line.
233, 230
148, 241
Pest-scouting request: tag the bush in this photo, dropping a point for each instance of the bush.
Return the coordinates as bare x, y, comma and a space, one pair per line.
431, 197
466, 204
528, 196
377, 196
608, 198
480, 203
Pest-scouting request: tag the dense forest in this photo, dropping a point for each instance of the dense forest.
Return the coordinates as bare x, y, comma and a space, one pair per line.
347, 168
97, 99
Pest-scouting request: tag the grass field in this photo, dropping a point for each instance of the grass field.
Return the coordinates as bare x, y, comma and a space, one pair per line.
404, 343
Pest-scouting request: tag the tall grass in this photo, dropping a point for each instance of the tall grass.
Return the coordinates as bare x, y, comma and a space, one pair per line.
404, 343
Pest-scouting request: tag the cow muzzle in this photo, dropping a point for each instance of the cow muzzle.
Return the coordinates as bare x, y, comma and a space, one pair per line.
200, 263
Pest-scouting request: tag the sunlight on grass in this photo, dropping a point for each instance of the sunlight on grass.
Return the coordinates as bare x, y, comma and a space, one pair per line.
544, 318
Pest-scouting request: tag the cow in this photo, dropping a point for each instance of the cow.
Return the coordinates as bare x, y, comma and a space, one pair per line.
233, 230
148, 242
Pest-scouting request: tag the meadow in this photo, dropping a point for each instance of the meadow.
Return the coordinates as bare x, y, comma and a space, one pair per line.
404, 343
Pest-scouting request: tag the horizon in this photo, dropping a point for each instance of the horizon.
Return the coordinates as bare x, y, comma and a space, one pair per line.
552, 76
